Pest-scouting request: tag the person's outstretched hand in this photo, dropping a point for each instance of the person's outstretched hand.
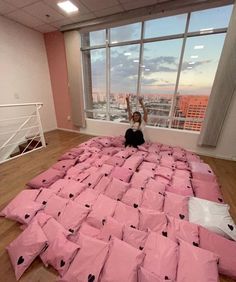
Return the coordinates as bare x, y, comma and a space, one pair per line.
127, 97
140, 99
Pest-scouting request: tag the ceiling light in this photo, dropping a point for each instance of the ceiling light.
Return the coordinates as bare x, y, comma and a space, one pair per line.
127, 53
135, 61
194, 56
68, 7
198, 46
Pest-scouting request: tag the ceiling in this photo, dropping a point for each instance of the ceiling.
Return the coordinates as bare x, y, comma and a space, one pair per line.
46, 16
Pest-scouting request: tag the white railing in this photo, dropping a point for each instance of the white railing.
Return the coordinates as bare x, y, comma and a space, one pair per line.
21, 130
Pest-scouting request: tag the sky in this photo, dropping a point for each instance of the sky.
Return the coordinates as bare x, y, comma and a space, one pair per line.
161, 59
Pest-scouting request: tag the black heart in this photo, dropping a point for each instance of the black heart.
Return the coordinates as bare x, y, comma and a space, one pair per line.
166, 278
132, 226
106, 174
142, 188
62, 263
44, 180
91, 278
44, 202
195, 244
27, 216
164, 233
181, 216
87, 206
103, 221
231, 227
58, 213
71, 230
20, 260
135, 206
140, 248
89, 184
71, 195
220, 200
63, 166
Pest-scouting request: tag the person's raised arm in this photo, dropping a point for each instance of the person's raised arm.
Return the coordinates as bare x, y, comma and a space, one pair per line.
128, 107
145, 113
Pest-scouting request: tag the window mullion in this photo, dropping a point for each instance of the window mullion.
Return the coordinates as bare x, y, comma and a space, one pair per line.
172, 109
108, 74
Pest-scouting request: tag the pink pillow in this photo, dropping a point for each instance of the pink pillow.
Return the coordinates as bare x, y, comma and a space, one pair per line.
224, 248
105, 142
182, 173
53, 229
133, 197
106, 169
139, 180
124, 154
60, 254
55, 206
122, 173
25, 196
147, 165
202, 171
207, 190
64, 165
155, 186
133, 162
69, 156
115, 161
46, 178
126, 215
73, 216
88, 262
93, 179
164, 171
176, 205
57, 186
134, 237
161, 256
26, 247
152, 158
152, 200
111, 227
24, 213
103, 207
196, 264
147, 276
122, 263
116, 189
109, 151
89, 230
44, 195
87, 198
182, 165
182, 229
72, 189
102, 184
153, 220
83, 157
181, 186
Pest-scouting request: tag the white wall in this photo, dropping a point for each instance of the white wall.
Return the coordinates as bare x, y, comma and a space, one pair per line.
226, 147
24, 73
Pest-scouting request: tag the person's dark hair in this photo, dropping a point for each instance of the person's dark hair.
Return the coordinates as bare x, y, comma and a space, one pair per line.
140, 116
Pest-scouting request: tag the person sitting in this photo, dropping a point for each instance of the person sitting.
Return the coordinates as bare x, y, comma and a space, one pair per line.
134, 135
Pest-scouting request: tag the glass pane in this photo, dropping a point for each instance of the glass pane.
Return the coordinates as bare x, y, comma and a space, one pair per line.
165, 26
209, 19
159, 72
97, 38
123, 77
125, 33
96, 86
200, 62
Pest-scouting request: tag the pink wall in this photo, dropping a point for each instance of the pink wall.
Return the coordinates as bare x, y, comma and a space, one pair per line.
55, 48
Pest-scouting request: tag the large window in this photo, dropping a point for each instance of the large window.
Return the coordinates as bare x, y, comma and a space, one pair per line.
171, 62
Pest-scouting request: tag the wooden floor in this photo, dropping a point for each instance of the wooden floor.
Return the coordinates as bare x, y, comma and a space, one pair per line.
15, 173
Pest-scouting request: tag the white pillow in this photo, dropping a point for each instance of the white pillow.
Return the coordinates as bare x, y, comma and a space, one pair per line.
213, 216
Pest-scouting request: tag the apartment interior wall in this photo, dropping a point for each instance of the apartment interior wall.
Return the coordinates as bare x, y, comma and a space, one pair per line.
24, 72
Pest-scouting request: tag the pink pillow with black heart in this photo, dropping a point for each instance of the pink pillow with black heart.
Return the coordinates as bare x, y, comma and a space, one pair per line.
164, 172
182, 229
126, 215
176, 205
224, 248
106, 169
72, 189
196, 264
26, 247
134, 237
88, 230
60, 254
89, 260
111, 227
87, 198
102, 184
155, 186
152, 200
46, 178
180, 186
122, 173
103, 207
153, 220
93, 179
133, 197
124, 153
139, 180
69, 156
64, 165
25, 196
147, 165
122, 263
72, 216
202, 171
161, 256
44, 195
55, 206
115, 161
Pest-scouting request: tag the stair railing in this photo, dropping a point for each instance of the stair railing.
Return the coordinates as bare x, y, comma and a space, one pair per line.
26, 130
